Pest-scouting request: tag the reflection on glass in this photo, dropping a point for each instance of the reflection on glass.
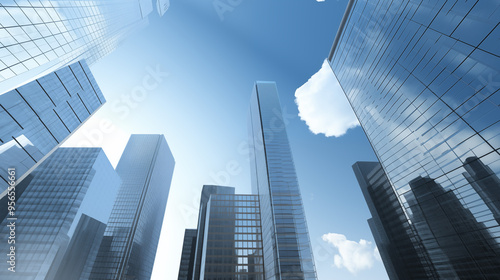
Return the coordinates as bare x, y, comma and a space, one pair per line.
403, 258
452, 230
37, 117
422, 78
485, 182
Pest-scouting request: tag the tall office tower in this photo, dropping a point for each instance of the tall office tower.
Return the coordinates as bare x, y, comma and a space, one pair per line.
287, 249
232, 247
129, 245
39, 37
37, 117
403, 259
421, 77
206, 192
60, 219
187, 257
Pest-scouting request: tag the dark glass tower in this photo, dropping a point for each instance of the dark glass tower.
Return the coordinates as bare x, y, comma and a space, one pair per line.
187, 257
60, 218
403, 258
129, 246
287, 249
37, 117
232, 247
421, 78
207, 191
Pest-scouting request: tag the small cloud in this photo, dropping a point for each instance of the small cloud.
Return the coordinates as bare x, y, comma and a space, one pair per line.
323, 105
354, 256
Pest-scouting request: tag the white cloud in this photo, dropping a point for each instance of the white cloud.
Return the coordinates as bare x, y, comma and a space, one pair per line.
323, 105
354, 256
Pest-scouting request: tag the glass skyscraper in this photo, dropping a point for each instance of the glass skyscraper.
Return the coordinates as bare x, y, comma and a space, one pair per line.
187, 257
60, 218
421, 77
37, 117
206, 192
129, 245
39, 37
232, 247
228, 239
287, 249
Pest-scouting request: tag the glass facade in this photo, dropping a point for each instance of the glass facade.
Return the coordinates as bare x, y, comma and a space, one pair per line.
38, 37
187, 257
206, 192
403, 258
71, 192
232, 247
421, 77
129, 245
37, 117
287, 249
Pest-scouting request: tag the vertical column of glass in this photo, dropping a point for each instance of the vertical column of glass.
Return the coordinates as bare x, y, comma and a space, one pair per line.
131, 237
287, 250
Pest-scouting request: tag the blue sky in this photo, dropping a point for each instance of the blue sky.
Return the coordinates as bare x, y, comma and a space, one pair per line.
189, 76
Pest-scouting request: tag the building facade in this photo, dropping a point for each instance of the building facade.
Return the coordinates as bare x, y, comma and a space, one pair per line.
131, 238
232, 247
287, 248
187, 257
421, 78
39, 37
37, 117
59, 220
402, 258
206, 192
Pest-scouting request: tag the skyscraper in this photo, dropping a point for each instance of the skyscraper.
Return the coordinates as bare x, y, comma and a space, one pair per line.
187, 256
59, 221
286, 244
37, 117
39, 37
228, 241
232, 247
206, 192
421, 78
129, 245
403, 258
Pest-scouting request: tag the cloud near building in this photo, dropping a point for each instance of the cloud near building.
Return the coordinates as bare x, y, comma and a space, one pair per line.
354, 256
323, 105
